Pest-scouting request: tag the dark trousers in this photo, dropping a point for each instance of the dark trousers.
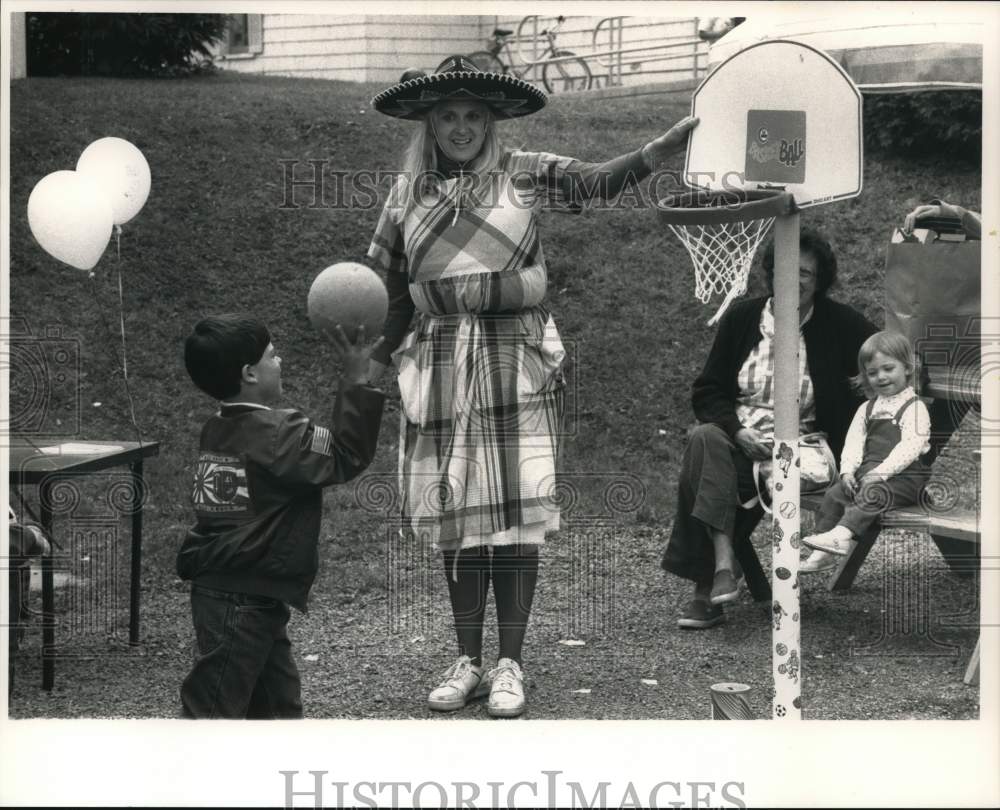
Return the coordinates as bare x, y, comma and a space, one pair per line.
864, 511
245, 667
715, 478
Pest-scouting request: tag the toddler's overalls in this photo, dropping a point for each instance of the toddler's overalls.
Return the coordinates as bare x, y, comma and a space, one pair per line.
902, 489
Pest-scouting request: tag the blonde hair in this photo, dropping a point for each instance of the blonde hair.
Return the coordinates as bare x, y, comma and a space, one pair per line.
420, 165
891, 344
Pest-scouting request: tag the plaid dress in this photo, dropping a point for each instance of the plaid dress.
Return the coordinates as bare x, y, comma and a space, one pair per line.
480, 376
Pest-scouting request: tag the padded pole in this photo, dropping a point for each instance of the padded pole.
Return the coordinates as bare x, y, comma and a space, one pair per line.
786, 657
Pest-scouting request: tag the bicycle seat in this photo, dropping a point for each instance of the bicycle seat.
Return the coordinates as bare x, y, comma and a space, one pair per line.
500, 32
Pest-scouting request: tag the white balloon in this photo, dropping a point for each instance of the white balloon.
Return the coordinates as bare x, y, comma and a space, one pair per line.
122, 172
71, 218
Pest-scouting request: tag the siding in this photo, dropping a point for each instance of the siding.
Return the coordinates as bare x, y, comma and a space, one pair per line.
378, 48
360, 48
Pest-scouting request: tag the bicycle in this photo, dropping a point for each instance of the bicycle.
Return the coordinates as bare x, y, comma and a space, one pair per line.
557, 77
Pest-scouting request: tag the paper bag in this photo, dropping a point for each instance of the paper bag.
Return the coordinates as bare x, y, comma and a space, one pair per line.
932, 295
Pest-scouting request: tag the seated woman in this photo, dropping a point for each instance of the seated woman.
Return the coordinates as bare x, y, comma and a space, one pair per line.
733, 400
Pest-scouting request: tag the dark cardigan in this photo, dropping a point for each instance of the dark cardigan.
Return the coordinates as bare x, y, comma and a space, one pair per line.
833, 335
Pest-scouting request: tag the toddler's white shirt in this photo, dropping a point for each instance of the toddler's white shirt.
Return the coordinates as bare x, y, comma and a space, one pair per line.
914, 428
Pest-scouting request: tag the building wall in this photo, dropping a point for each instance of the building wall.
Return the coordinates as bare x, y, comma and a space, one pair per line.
18, 46
378, 48
361, 48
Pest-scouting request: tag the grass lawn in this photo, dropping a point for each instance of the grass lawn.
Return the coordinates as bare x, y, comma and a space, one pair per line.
218, 234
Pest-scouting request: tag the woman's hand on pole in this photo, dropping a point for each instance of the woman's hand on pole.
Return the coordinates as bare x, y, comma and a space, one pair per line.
671, 142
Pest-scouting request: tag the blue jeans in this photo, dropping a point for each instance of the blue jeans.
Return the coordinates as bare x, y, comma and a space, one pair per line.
245, 667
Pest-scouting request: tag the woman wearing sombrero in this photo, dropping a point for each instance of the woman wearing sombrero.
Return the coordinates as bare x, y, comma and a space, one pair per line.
480, 375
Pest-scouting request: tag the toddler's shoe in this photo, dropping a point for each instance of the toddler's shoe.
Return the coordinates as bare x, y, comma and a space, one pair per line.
833, 542
700, 615
818, 562
725, 587
463, 681
507, 690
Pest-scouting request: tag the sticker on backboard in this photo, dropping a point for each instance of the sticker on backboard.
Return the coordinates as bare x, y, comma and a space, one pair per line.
784, 91
776, 146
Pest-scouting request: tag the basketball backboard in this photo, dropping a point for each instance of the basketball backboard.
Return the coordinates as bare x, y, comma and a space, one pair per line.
778, 114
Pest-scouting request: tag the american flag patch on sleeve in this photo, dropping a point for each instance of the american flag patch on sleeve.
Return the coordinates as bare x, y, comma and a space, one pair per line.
322, 441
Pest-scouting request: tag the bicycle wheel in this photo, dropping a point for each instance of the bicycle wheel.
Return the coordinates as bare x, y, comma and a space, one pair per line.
484, 60
564, 77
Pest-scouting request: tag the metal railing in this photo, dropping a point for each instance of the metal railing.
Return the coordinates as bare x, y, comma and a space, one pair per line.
611, 60
691, 47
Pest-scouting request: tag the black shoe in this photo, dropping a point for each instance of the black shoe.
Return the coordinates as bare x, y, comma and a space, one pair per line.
725, 587
700, 615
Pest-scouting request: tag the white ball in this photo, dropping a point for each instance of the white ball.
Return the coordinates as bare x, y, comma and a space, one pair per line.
349, 294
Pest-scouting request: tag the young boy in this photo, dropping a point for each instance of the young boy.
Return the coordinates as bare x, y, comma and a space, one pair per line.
258, 502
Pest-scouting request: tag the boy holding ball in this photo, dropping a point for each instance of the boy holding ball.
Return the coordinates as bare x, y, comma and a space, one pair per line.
258, 502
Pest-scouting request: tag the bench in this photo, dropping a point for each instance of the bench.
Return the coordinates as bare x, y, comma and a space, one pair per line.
956, 534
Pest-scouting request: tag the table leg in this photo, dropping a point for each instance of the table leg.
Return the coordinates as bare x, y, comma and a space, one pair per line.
48, 593
134, 583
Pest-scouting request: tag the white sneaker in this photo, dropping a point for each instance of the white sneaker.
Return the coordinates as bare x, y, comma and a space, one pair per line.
818, 562
507, 690
830, 542
462, 682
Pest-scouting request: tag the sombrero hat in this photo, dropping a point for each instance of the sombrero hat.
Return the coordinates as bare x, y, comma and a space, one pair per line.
458, 79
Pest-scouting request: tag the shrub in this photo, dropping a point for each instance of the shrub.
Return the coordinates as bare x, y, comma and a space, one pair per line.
121, 44
916, 124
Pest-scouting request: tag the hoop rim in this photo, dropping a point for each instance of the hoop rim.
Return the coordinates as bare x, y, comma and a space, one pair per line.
699, 207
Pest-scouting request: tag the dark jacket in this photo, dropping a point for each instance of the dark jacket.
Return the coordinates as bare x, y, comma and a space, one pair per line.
833, 335
258, 493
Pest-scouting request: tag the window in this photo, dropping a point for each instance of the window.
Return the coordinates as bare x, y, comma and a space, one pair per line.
238, 34
244, 36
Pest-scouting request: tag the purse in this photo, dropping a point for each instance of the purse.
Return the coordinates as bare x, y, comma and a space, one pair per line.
817, 470
932, 296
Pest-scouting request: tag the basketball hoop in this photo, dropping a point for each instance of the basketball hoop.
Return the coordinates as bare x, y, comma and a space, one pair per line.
721, 231
780, 130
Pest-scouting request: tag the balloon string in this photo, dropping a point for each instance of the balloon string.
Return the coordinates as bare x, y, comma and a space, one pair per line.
121, 321
121, 301
108, 329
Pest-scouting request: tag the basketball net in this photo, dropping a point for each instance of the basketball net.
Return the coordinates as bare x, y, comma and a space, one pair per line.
722, 254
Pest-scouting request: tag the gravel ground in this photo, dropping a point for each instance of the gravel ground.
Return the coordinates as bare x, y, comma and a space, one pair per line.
386, 655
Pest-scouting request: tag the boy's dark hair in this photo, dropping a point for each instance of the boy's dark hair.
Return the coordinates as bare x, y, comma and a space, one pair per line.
810, 241
218, 348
